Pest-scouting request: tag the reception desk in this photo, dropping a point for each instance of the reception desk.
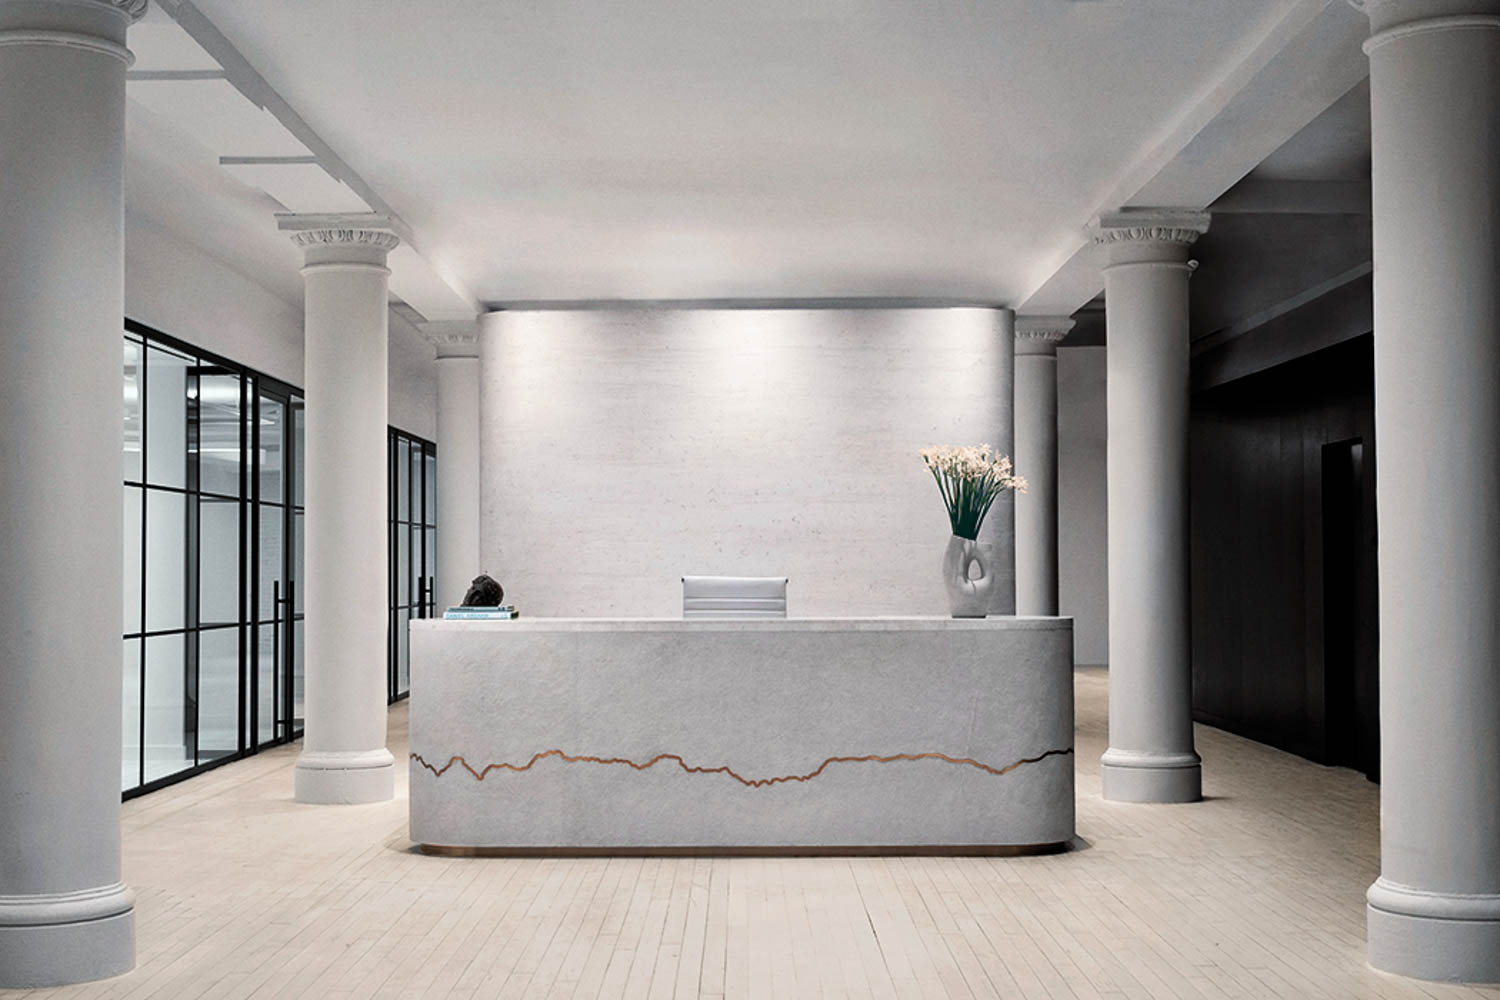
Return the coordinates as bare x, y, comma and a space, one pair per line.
779, 736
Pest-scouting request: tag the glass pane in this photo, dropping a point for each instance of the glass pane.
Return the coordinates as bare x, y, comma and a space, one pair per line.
403, 479
430, 479
417, 481
270, 560
403, 565
166, 418
166, 560
418, 568
403, 658
130, 716
167, 728
247, 695
218, 561
299, 416
298, 673
299, 574
431, 566
265, 679
133, 378
132, 607
218, 692
219, 434
272, 449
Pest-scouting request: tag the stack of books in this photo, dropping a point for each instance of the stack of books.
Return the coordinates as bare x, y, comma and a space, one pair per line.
480, 612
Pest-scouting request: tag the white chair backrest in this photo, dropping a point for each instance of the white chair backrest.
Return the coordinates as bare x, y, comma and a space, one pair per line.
734, 597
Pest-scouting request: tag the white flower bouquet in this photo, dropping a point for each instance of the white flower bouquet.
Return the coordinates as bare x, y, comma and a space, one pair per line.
970, 479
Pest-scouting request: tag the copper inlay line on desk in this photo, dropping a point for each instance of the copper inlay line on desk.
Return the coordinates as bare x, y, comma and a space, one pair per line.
747, 782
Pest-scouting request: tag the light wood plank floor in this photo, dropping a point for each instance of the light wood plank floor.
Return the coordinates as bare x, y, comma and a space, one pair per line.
1257, 892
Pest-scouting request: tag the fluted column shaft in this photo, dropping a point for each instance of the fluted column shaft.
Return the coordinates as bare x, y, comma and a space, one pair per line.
344, 757
1435, 160
1150, 756
64, 915
1037, 338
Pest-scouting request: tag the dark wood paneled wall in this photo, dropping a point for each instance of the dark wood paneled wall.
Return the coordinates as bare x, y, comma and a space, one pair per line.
1262, 448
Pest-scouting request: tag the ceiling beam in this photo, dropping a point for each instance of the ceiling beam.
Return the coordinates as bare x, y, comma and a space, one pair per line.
244, 77
1276, 197
1309, 59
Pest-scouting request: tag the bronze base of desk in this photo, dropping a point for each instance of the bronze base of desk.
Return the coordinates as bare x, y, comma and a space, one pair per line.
798, 851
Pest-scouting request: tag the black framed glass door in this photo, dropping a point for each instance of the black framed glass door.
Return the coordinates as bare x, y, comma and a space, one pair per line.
183, 465
212, 506
275, 702
412, 474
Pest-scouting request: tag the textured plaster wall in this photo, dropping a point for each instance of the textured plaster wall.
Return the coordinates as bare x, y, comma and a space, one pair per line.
413, 381
187, 293
623, 449
1082, 515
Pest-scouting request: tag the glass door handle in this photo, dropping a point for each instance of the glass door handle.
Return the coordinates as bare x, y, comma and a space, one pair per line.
276, 627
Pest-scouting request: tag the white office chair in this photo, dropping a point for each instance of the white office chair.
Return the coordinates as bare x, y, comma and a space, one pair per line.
734, 597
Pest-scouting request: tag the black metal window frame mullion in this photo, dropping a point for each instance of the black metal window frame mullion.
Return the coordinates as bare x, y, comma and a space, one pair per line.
289, 455
192, 560
393, 562
143, 377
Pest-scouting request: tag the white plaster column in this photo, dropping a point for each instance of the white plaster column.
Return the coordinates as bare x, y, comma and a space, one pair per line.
1037, 338
999, 527
1150, 756
65, 917
344, 757
457, 345
1434, 912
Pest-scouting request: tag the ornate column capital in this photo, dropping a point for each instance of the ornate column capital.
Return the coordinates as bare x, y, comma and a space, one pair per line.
1149, 235
1041, 334
1150, 225
86, 25
351, 239
452, 338
133, 9
346, 237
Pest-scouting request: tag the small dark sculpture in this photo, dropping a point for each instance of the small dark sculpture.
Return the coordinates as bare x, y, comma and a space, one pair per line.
484, 592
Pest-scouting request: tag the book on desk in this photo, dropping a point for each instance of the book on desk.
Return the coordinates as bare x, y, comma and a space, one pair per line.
480, 612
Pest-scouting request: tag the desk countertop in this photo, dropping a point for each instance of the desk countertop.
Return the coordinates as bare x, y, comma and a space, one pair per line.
927, 623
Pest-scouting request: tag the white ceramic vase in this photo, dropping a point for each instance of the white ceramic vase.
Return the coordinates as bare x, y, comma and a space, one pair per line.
969, 577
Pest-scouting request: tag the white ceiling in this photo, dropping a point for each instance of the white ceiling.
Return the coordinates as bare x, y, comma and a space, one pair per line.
587, 149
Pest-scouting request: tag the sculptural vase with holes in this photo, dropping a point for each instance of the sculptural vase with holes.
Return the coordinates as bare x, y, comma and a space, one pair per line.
969, 577
970, 479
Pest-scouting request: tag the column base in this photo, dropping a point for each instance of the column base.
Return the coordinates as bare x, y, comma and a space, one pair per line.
345, 777
61, 938
1136, 776
1432, 935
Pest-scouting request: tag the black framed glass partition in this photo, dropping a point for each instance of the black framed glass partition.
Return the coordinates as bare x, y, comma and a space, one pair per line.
214, 552
412, 465
183, 467
211, 467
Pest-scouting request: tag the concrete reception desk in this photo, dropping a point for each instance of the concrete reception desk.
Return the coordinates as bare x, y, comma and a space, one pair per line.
781, 736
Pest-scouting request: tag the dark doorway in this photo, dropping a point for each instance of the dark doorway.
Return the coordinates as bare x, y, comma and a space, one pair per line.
1351, 665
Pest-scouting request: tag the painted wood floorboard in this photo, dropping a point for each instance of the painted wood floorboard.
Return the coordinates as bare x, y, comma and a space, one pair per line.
1257, 892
